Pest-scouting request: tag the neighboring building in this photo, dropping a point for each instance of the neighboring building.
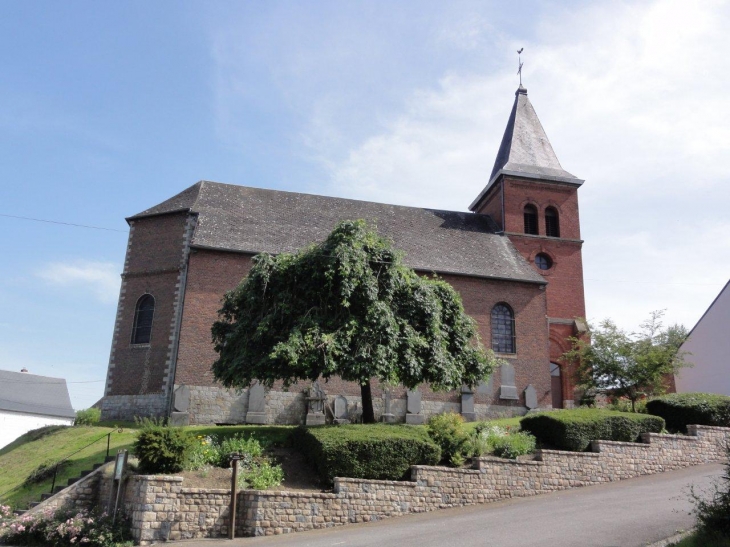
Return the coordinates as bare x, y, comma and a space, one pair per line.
515, 259
708, 349
28, 402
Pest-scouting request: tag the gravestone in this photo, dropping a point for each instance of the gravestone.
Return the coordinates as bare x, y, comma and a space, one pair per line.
316, 399
180, 406
508, 389
388, 416
467, 404
413, 408
485, 388
256, 404
340, 412
530, 397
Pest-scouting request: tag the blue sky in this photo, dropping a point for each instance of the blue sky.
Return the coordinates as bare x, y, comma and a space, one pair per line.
107, 108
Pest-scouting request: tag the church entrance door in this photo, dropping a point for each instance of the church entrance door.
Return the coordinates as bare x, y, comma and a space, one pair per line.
556, 385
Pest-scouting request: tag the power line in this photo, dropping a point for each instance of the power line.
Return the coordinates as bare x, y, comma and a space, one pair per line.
63, 223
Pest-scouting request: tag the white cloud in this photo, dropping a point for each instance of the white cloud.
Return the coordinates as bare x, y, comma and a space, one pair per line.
634, 99
98, 278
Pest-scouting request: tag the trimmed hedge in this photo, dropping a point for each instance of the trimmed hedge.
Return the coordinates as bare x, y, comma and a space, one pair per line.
682, 409
575, 429
375, 451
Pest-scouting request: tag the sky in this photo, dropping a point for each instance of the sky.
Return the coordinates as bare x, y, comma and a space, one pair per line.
108, 108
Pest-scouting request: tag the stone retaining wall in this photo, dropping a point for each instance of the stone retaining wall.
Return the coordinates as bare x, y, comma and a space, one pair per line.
127, 407
162, 509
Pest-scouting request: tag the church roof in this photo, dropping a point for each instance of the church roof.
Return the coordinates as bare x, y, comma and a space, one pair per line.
253, 220
31, 394
525, 150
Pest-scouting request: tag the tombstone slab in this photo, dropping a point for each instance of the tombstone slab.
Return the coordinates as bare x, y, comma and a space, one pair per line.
388, 417
413, 408
179, 419
316, 400
181, 399
256, 405
340, 410
467, 404
530, 397
508, 390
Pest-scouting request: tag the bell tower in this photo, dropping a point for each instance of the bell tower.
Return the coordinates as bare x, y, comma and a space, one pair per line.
534, 201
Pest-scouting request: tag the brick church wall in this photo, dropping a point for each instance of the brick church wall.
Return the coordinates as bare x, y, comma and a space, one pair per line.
212, 273
138, 375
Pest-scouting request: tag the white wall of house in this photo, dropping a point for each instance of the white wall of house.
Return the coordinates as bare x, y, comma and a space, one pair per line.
709, 346
14, 424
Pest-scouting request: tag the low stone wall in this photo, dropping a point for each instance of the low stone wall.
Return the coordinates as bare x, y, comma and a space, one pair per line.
161, 509
84, 494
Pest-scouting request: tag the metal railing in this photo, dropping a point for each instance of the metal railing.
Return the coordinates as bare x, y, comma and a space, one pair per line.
108, 445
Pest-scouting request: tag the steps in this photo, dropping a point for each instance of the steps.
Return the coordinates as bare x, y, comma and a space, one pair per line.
60, 487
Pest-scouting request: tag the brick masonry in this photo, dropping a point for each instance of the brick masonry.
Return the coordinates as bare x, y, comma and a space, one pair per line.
161, 509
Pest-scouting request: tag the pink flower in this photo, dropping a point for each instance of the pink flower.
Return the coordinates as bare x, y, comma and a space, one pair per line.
21, 528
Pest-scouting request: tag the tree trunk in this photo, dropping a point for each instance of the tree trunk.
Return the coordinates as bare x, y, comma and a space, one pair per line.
368, 414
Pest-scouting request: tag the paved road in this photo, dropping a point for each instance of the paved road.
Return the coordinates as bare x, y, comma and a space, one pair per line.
631, 513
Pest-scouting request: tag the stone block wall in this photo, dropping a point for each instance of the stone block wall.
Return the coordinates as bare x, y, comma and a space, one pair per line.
161, 509
84, 494
128, 407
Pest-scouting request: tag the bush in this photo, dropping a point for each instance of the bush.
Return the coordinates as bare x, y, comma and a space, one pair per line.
65, 529
89, 416
487, 439
713, 514
261, 476
447, 431
375, 451
161, 448
682, 409
575, 429
44, 471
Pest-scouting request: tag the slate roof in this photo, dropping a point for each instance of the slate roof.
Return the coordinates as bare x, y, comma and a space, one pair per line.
253, 220
31, 394
525, 150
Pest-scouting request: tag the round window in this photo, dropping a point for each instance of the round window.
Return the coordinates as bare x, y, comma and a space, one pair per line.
543, 261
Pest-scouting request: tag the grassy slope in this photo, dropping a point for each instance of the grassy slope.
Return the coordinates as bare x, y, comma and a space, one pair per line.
19, 458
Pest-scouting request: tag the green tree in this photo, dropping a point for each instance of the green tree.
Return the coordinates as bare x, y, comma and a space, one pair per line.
631, 365
346, 307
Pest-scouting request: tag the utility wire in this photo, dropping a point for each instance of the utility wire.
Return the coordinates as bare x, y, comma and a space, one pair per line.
63, 223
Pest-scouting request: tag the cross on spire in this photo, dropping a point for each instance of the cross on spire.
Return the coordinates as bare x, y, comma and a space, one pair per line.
520, 63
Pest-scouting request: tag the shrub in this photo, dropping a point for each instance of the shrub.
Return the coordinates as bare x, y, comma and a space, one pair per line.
249, 448
44, 471
203, 453
261, 476
66, 528
575, 429
88, 416
161, 448
447, 431
376, 451
487, 439
621, 404
682, 409
713, 514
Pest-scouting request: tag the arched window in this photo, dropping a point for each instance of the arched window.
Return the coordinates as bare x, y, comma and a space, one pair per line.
143, 314
530, 219
552, 224
503, 329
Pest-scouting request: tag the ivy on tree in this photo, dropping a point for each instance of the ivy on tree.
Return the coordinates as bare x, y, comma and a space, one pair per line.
632, 365
346, 307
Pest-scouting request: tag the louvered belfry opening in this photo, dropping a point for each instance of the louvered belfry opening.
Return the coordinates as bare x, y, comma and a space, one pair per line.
552, 224
531, 219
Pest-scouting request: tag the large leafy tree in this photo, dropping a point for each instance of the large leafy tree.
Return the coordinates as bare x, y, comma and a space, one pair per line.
632, 365
346, 307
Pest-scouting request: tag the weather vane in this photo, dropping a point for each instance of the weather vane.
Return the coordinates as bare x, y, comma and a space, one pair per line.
519, 61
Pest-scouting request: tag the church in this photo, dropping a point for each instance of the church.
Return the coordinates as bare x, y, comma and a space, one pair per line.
515, 258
